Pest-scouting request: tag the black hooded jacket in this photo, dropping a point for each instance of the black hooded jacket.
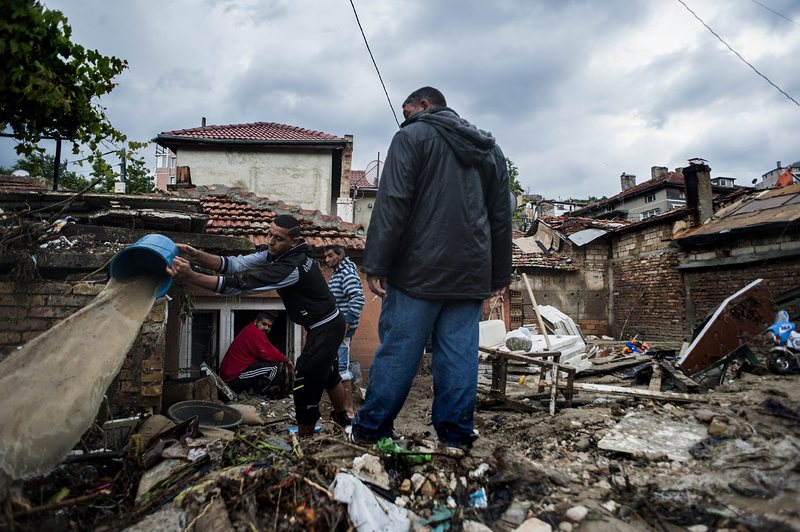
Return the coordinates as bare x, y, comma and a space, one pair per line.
441, 227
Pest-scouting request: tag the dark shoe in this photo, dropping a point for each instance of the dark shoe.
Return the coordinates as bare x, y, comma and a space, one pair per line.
352, 438
341, 418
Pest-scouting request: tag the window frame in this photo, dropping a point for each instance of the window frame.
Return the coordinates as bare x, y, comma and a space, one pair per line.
225, 326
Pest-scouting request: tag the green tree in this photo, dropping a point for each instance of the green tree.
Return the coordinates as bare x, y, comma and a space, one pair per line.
513, 175
139, 180
43, 165
49, 85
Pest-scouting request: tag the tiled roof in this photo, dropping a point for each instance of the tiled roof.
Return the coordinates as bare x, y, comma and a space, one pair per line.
256, 131
236, 212
669, 178
553, 261
10, 183
569, 225
550, 261
358, 179
771, 208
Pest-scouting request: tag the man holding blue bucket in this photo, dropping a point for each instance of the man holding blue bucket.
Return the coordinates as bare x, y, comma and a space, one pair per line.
288, 267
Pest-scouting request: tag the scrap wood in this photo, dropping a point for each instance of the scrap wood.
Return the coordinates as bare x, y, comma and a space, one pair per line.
536, 311
677, 377
635, 392
612, 359
60, 504
655, 379
610, 367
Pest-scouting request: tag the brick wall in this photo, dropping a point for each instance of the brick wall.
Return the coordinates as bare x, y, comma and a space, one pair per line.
707, 287
646, 288
28, 311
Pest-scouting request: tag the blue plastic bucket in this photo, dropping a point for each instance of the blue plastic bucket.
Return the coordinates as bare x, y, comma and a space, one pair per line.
151, 254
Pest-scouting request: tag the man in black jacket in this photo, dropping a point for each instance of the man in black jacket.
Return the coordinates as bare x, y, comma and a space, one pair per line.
439, 243
287, 267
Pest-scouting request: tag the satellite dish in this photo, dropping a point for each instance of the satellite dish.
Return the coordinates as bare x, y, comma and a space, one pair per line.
513, 200
20, 173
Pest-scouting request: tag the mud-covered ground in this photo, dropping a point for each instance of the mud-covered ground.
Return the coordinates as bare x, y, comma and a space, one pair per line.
727, 461
746, 477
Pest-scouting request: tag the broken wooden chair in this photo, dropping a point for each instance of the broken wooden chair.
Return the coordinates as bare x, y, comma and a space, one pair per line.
499, 360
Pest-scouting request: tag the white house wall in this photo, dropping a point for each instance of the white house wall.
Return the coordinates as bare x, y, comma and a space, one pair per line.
302, 179
362, 210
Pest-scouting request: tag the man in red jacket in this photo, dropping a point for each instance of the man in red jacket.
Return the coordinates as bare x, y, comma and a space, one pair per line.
252, 362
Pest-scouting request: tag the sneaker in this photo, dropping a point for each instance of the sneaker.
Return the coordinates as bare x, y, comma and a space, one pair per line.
349, 437
455, 450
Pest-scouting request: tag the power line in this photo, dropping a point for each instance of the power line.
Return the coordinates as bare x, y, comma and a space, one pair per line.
780, 15
376, 65
737, 53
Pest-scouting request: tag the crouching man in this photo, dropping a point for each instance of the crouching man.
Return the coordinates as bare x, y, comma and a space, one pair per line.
253, 364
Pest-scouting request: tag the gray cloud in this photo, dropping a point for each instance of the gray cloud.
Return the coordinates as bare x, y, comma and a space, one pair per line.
576, 92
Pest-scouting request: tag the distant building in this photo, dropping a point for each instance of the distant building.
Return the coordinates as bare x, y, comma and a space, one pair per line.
299, 166
166, 167
663, 192
769, 179
363, 191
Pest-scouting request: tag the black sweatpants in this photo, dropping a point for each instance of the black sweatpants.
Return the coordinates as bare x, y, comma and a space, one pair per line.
317, 369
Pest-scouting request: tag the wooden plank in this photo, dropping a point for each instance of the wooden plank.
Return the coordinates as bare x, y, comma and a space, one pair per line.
681, 381
655, 379
635, 392
536, 311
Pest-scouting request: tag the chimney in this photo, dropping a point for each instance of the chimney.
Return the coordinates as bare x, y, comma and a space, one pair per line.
698, 191
779, 165
203, 122
657, 171
347, 167
627, 181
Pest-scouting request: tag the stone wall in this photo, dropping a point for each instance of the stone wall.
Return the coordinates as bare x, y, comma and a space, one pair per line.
29, 310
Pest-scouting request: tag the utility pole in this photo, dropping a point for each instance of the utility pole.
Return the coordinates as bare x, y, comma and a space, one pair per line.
123, 166
57, 164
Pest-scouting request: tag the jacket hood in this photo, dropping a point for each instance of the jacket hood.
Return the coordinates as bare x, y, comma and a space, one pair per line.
470, 144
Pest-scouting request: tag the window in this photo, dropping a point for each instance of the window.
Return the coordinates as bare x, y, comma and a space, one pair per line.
214, 323
161, 161
173, 161
650, 198
648, 214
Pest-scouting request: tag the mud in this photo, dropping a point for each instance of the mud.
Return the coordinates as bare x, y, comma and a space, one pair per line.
51, 388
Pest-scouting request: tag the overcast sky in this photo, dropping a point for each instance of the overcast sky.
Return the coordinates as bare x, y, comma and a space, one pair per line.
576, 92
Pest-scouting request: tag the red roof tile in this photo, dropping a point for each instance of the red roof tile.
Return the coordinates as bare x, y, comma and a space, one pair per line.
236, 212
264, 131
553, 261
358, 179
10, 183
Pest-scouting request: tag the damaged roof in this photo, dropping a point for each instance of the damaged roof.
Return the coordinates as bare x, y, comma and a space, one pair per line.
216, 210
234, 211
540, 249
768, 210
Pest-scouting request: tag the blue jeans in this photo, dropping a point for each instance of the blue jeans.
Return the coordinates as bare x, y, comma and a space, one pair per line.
404, 326
344, 359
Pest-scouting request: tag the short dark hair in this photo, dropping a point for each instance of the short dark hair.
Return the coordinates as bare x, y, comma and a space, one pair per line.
287, 221
336, 248
434, 97
268, 315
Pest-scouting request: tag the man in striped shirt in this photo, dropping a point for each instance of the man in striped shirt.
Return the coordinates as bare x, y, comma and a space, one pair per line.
345, 285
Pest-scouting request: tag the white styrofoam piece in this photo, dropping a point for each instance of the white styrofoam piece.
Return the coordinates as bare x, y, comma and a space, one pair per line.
491, 333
